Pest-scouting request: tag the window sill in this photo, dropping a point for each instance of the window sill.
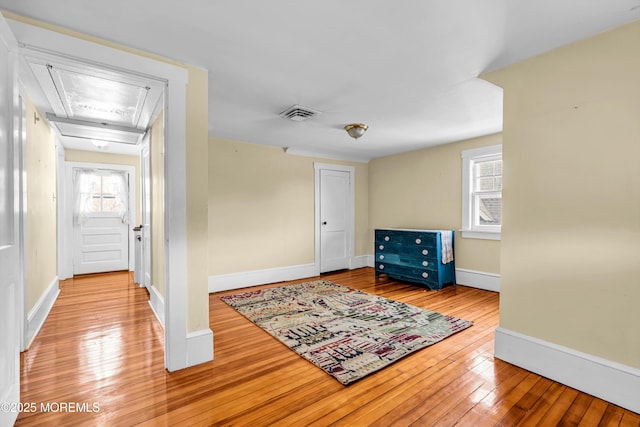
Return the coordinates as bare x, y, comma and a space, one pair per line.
486, 235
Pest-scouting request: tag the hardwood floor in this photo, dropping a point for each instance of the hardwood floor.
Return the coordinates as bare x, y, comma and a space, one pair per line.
101, 349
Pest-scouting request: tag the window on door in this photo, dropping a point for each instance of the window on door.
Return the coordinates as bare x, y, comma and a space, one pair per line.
101, 192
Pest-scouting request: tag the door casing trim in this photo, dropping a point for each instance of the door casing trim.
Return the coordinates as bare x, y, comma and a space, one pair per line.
66, 222
36, 39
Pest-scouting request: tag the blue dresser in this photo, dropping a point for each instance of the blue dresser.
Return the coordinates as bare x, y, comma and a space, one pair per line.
419, 256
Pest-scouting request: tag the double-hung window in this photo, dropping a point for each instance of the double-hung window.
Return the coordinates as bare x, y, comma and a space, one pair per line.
482, 192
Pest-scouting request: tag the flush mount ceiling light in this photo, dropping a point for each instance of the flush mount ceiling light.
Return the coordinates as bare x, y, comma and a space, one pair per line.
356, 130
100, 145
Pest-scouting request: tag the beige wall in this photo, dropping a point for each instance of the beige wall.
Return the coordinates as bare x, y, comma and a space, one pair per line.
261, 207
260, 197
570, 257
423, 189
41, 249
109, 159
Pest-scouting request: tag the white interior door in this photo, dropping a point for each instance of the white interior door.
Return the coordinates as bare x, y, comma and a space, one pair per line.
335, 219
10, 288
145, 168
100, 244
101, 231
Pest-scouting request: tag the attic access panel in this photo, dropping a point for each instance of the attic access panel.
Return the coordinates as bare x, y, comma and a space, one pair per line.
86, 100
95, 98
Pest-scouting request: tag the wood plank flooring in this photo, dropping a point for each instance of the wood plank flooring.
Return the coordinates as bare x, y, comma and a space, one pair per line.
102, 350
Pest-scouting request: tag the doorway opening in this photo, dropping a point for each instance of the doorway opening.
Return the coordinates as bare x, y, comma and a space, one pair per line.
172, 80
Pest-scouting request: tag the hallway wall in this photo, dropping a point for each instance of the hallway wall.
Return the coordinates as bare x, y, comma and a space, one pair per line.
41, 249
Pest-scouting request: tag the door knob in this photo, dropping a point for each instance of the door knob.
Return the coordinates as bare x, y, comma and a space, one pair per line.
324, 223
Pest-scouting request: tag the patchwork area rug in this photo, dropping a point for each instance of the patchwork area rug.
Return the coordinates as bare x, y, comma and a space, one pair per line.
346, 332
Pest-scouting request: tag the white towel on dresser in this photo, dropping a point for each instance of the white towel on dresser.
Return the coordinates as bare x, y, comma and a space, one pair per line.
446, 240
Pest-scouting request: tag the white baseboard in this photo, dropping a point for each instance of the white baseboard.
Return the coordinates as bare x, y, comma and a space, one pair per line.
361, 261
199, 347
478, 279
607, 380
225, 282
38, 314
156, 301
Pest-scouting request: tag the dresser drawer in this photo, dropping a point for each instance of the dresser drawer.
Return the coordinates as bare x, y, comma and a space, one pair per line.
390, 237
414, 251
427, 263
415, 274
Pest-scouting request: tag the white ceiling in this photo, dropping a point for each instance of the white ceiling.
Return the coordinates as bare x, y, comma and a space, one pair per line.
408, 69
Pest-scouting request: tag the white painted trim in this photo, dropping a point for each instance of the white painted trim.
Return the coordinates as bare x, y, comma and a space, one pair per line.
156, 302
486, 235
361, 261
35, 39
489, 150
175, 227
608, 380
478, 279
199, 347
67, 221
65, 257
225, 282
323, 155
468, 230
21, 146
351, 207
38, 314
11, 264
65, 239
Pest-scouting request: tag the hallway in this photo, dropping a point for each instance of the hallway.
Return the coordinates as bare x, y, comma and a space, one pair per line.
99, 343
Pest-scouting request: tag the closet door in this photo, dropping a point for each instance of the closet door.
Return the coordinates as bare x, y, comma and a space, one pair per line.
335, 233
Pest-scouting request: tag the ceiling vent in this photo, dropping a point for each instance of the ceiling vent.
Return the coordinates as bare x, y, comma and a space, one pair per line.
299, 113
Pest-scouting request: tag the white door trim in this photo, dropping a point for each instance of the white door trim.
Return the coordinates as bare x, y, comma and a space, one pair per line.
67, 223
22, 221
65, 271
145, 208
11, 261
351, 207
36, 40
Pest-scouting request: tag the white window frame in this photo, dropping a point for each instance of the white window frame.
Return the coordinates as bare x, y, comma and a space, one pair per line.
469, 228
